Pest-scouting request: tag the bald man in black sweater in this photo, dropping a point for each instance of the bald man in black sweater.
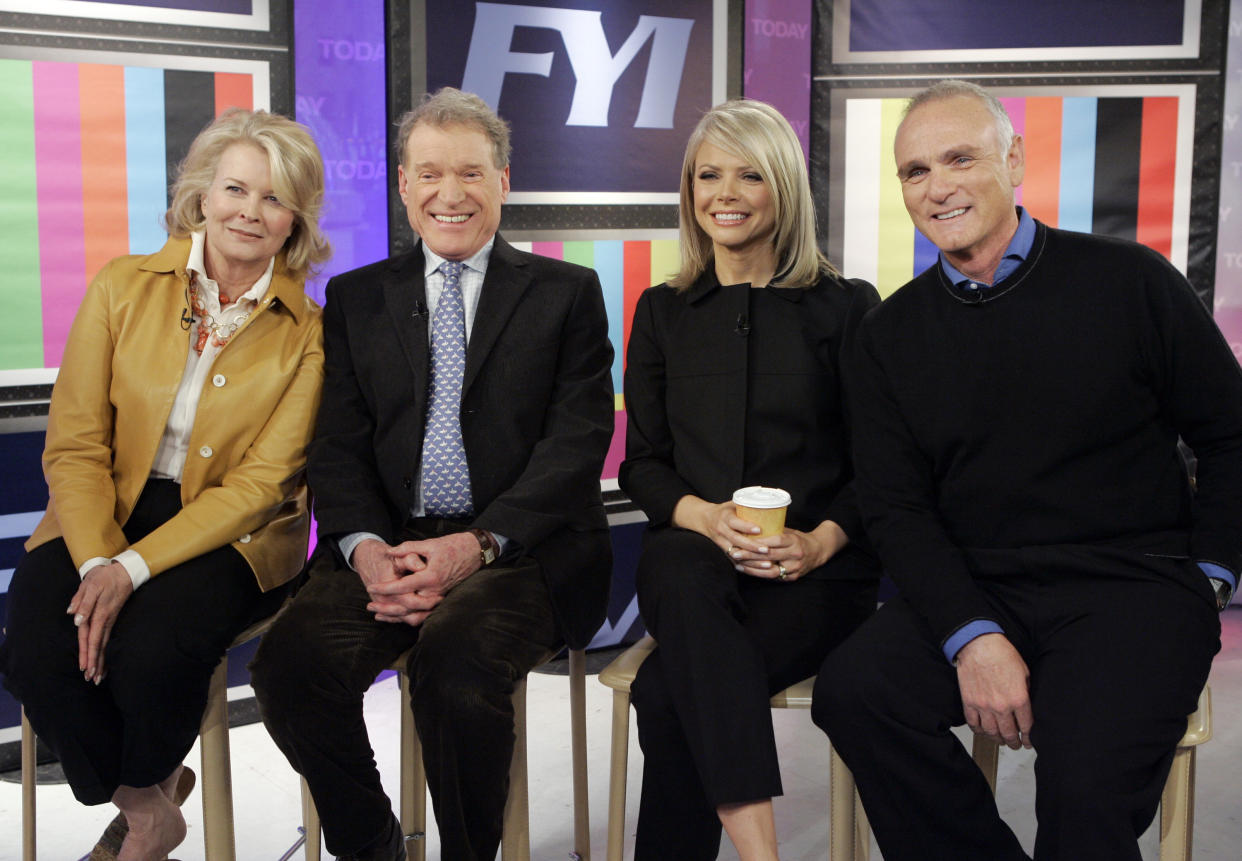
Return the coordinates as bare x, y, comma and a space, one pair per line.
1017, 410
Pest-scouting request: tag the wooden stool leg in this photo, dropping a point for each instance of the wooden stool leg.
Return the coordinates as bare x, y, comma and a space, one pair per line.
862, 832
617, 769
413, 781
842, 825
578, 748
1177, 808
515, 839
310, 824
985, 753
30, 767
217, 785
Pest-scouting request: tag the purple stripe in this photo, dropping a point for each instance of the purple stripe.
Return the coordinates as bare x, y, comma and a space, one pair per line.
938, 25
777, 54
339, 46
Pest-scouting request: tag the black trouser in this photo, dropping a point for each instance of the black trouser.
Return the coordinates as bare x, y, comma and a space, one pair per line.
1118, 648
320, 657
727, 642
136, 726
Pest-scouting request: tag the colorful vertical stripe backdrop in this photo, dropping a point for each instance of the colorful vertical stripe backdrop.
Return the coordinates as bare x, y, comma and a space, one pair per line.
88, 151
626, 268
1113, 159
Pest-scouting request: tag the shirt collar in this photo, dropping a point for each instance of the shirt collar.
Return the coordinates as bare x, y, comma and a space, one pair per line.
1018, 250
196, 264
476, 261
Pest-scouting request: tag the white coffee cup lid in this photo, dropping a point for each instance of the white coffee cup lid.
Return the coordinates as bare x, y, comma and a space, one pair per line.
761, 497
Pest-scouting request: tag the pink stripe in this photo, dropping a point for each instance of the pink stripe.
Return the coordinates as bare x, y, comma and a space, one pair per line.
1016, 108
58, 167
555, 250
616, 450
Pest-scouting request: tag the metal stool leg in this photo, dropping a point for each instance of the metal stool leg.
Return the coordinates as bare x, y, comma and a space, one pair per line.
413, 781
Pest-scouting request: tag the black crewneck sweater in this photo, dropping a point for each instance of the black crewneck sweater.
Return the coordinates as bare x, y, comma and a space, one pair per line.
1046, 414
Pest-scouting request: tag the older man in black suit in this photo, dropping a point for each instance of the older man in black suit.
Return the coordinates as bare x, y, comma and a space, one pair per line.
467, 410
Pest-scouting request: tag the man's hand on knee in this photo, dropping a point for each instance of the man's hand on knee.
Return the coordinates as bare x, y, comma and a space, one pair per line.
377, 565
435, 566
993, 680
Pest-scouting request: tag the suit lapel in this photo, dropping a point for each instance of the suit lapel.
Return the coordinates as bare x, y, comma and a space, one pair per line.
504, 285
405, 297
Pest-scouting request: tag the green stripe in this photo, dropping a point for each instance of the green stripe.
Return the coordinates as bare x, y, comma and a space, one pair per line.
21, 306
580, 252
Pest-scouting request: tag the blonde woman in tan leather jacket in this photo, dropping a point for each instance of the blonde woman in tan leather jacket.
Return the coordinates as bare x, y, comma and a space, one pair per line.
175, 463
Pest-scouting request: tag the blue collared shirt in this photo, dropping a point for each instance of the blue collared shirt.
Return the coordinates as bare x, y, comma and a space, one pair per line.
1016, 252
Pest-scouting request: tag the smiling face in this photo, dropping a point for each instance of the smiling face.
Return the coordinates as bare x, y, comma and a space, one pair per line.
246, 224
957, 183
732, 203
452, 189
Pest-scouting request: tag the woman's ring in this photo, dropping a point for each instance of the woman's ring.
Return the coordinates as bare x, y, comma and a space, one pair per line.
781, 572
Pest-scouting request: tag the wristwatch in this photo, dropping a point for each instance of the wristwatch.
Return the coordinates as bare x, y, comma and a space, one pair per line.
1224, 592
487, 547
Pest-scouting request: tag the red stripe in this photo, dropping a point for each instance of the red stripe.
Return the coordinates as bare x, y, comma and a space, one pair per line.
637, 265
1157, 163
105, 192
1042, 140
233, 91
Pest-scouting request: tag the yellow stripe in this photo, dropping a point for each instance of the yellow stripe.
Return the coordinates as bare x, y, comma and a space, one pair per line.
896, 263
665, 259
618, 402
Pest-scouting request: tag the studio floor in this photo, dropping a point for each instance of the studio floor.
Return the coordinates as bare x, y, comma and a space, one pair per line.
268, 812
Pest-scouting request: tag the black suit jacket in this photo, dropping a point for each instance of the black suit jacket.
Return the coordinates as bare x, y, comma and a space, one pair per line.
536, 415
696, 426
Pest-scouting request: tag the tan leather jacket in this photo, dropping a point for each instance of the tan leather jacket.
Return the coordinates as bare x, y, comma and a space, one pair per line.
244, 477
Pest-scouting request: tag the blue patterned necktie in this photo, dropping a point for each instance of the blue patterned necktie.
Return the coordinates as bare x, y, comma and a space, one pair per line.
446, 476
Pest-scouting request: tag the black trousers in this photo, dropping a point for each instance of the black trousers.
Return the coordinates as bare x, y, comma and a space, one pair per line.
727, 642
1118, 649
326, 649
136, 726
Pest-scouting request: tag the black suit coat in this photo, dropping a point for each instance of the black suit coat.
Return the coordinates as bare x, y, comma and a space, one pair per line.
536, 415
688, 377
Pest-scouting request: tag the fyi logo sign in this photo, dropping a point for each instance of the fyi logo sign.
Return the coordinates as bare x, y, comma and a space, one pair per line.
595, 67
601, 94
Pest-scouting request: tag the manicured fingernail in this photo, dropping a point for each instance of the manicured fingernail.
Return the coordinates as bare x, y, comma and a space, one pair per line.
740, 569
763, 549
736, 554
78, 620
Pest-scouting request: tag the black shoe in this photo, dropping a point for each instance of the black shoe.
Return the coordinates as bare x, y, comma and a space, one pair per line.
390, 847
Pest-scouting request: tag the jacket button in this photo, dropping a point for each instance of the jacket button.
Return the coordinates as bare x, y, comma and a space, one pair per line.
245, 539
205, 451
218, 380
407, 483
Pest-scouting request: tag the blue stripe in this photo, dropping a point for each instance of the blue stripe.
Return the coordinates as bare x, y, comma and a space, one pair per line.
6, 577
19, 525
144, 158
1077, 163
925, 253
609, 256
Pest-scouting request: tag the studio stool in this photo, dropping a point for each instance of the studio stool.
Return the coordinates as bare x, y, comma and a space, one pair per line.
1177, 802
217, 781
515, 838
850, 834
